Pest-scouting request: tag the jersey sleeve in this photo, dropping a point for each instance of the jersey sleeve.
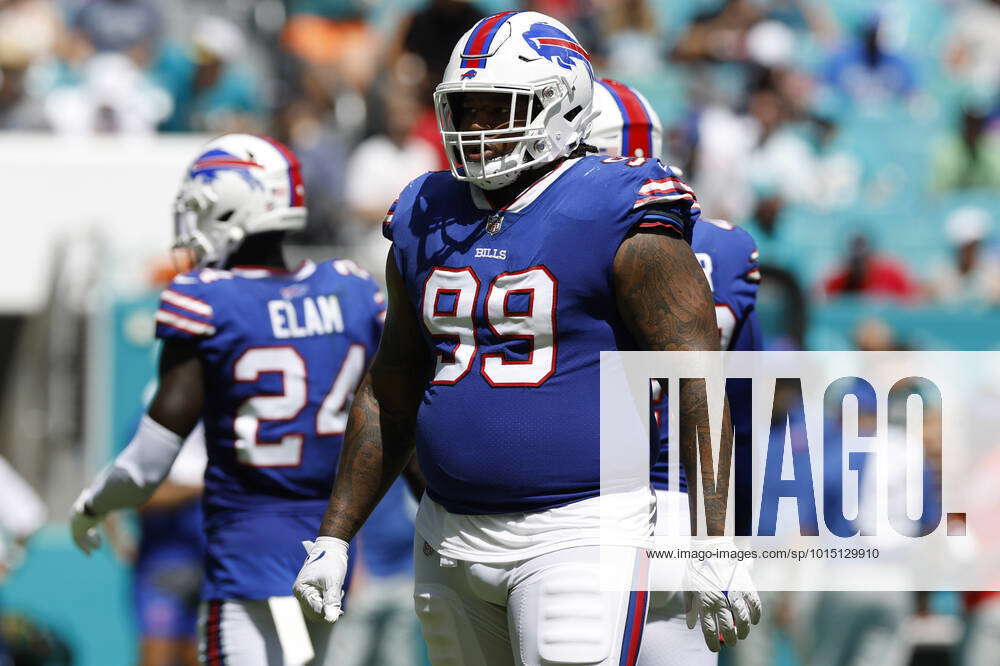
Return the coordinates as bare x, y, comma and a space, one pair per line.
184, 313
662, 200
399, 212
745, 281
387, 220
378, 313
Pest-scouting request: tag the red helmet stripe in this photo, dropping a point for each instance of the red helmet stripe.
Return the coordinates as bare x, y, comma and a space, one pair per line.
637, 126
221, 162
482, 37
565, 43
294, 172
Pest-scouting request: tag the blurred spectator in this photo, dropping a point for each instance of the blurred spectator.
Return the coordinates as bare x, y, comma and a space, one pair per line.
864, 71
719, 35
867, 273
383, 164
973, 50
631, 38
973, 275
34, 28
420, 53
113, 97
969, 159
333, 35
18, 109
425, 40
322, 153
874, 334
211, 92
837, 178
768, 231
760, 149
132, 27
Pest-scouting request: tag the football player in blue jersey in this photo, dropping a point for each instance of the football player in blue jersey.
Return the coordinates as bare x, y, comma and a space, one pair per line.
508, 275
268, 359
628, 126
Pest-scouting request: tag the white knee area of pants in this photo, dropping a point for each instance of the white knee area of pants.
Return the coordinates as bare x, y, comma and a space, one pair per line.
666, 576
574, 621
444, 623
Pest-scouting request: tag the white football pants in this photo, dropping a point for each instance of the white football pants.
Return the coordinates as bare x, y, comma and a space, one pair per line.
550, 609
667, 640
242, 633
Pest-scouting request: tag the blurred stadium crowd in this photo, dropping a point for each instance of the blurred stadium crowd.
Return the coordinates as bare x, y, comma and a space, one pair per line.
859, 142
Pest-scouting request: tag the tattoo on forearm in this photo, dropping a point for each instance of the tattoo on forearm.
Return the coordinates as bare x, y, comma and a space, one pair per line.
666, 303
380, 433
377, 445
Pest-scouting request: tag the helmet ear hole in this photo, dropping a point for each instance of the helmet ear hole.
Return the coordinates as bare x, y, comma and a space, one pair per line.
572, 113
225, 216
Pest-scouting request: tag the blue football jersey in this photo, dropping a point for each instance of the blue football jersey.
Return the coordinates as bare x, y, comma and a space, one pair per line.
282, 354
728, 255
516, 306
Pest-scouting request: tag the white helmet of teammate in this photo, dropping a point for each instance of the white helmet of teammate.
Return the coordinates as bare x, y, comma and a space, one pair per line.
239, 185
627, 125
541, 67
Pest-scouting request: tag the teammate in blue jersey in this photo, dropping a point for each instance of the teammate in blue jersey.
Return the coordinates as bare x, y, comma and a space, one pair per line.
628, 125
507, 277
269, 360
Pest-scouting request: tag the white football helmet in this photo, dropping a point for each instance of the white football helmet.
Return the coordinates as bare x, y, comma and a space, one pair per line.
627, 125
239, 185
534, 59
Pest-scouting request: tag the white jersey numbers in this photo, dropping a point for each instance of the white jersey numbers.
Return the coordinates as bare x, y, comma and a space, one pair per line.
519, 306
449, 298
284, 406
331, 419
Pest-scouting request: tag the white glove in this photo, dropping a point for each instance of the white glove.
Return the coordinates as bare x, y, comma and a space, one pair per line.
83, 526
720, 592
319, 585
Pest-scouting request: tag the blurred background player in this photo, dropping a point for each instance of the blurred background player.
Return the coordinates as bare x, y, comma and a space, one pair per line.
169, 560
499, 307
381, 629
268, 359
22, 513
629, 127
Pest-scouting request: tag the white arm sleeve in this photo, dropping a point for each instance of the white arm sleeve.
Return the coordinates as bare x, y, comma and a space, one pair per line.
134, 475
189, 467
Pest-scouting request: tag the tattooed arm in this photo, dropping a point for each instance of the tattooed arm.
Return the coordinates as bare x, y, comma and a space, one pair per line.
667, 305
379, 440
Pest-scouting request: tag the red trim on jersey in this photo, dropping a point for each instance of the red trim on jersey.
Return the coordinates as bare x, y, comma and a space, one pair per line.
184, 324
457, 293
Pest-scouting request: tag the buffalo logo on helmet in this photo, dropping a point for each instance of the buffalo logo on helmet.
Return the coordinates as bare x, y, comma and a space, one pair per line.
555, 45
208, 166
468, 75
